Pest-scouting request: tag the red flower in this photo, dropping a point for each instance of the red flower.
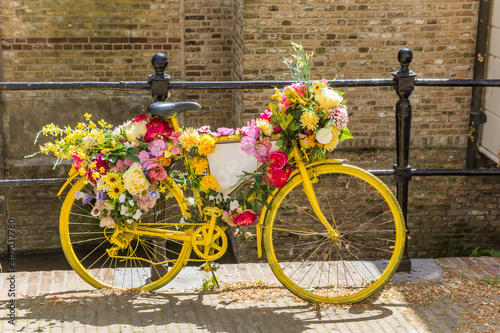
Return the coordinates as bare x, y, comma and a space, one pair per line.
140, 118
278, 177
158, 129
277, 160
246, 218
100, 163
277, 129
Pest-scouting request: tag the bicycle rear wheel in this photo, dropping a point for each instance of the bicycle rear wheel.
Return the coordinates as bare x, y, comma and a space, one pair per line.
319, 267
145, 262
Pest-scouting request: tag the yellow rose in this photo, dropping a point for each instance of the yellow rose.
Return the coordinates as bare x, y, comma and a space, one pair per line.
334, 141
328, 98
199, 164
135, 130
134, 179
206, 145
208, 183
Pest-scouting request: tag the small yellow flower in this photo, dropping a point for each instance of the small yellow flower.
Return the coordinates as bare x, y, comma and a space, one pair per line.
208, 183
102, 123
102, 170
116, 190
189, 138
199, 164
207, 145
111, 178
80, 126
91, 124
87, 116
93, 165
309, 120
96, 175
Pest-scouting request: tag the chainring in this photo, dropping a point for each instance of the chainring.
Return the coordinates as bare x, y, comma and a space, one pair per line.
215, 249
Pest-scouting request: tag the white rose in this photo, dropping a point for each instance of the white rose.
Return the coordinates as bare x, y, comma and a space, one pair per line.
233, 205
133, 131
134, 180
328, 98
324, 136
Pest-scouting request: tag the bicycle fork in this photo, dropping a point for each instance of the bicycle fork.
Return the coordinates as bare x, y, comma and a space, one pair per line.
311, 196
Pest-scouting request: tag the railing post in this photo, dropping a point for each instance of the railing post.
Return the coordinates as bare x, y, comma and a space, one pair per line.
404, 85
159, 81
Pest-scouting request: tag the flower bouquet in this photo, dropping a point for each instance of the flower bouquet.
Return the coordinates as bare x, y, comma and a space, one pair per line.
129, 166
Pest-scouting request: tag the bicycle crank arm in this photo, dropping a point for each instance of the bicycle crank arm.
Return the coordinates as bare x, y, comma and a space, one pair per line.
155, 232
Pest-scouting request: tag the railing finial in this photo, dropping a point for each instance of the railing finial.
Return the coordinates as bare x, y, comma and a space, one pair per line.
405, 56
160, 63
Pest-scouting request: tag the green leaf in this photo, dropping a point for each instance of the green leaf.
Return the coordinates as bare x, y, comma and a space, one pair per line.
206, 284
133, 158
345, 134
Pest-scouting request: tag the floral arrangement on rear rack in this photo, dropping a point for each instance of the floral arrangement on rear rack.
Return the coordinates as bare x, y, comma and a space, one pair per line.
129, 165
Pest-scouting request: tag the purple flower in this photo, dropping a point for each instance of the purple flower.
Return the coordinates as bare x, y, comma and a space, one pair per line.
156, 147
85, 197
248, 144
143, 156
101, 196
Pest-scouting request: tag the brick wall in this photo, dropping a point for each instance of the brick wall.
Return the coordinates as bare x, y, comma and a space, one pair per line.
225, 40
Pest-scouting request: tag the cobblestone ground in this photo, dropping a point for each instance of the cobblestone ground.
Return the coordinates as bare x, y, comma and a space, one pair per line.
58, 301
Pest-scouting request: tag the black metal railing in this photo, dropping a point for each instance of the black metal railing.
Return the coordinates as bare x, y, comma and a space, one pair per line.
403, 81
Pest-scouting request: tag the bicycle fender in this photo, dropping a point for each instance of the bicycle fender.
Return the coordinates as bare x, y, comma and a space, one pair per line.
260, 224
71, 175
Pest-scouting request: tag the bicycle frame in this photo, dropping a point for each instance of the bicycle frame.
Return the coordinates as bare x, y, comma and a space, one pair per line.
300, 168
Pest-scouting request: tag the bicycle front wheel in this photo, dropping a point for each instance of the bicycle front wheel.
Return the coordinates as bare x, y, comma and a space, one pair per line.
144, 262
323, 268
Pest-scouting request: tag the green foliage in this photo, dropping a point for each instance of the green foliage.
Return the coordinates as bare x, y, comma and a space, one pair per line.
211, 283
490, 252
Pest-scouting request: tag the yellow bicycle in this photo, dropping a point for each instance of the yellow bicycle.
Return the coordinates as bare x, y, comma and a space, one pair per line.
333, 233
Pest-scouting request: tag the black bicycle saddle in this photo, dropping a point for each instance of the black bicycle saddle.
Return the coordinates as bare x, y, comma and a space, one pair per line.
167, 109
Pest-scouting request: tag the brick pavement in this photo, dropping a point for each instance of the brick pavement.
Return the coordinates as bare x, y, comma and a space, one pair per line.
59, 301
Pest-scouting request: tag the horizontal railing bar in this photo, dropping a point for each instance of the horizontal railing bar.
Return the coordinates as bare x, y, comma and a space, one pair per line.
146, 85
122, 85
277, 84
456, 83
386, 172
442, 172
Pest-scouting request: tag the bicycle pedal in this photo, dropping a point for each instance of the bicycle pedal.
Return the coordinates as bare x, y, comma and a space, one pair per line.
212, 211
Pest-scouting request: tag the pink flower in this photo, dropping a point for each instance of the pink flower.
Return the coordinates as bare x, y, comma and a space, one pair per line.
228, 218
248, 144
145, 202
140, 118
262, 150
252, 130
143, 156
299, 88
158, 128
204, 130
266, 115
246, 218
277, 160
278, 177
76, 160
107, 222
127, 161
156, 147
157, 174
224, 131
120, 165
